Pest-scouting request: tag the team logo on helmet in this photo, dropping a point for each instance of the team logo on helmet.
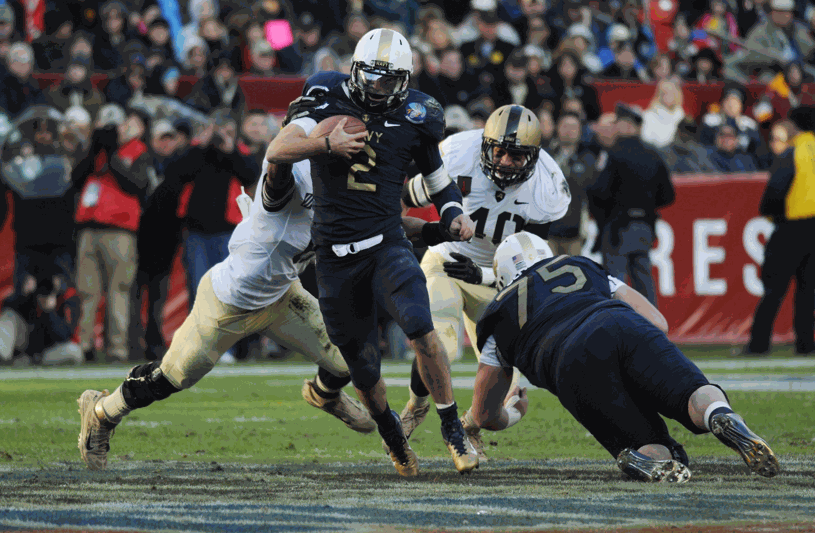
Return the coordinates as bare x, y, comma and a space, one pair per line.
416, 112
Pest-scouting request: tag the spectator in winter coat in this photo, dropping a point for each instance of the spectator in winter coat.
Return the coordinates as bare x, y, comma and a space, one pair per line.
18, 90
220, 89
726, 155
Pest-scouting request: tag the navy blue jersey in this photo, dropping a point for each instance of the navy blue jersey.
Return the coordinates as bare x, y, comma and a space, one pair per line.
359, 198
532, 317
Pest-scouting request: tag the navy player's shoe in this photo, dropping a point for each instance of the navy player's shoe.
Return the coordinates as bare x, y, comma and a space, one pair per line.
734, 433
643, 468
464, 455
402, 455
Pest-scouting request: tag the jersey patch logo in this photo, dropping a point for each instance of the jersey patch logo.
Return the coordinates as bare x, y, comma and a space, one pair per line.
500, 195
465, 183
416, 112
308, 201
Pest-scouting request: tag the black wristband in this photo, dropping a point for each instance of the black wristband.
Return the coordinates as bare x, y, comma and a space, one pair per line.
327, 145
432, 234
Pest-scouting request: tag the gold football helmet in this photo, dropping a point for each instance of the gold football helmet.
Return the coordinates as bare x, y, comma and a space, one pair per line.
512, 130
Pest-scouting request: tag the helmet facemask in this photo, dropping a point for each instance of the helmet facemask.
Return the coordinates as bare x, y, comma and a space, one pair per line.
378, 89
506, 175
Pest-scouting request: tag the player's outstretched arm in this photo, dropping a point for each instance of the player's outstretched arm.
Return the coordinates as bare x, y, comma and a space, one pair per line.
641, 305
292, 144
490, 410
422, 233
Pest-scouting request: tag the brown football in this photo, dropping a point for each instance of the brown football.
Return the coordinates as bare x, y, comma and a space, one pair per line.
354, 125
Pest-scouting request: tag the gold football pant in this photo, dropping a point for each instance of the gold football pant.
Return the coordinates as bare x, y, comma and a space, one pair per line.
212, 327
453, 304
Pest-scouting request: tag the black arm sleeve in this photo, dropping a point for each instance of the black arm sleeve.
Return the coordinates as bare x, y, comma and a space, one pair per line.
278, 187
772, 201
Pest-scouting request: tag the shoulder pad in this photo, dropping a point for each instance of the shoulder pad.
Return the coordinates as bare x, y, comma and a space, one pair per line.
746, 122
425, 112
461, 153
712, 119
323, 81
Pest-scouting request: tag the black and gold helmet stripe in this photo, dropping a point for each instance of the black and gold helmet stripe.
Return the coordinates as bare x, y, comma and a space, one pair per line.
513, 125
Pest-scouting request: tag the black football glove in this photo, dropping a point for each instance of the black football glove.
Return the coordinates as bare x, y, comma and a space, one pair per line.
302, 106
463, 268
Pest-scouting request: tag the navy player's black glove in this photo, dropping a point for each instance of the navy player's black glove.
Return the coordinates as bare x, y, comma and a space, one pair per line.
463, 268
302, 106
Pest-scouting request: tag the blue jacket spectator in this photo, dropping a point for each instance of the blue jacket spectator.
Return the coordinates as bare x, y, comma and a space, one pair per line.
726, 157
17, 89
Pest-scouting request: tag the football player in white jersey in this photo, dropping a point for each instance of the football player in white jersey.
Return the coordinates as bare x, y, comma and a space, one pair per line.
254, 290
509, 184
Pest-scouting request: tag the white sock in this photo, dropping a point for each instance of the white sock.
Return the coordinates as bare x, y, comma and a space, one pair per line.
440, 406
712, 407
114, 406
418, 400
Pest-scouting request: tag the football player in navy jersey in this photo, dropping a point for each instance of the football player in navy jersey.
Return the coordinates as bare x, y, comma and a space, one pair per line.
600, 347
363, 256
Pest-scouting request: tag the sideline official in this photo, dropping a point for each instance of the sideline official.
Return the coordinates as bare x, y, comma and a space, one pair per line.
633, 183
790, 200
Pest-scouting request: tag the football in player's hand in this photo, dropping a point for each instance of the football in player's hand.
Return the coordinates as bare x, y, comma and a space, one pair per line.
324, 128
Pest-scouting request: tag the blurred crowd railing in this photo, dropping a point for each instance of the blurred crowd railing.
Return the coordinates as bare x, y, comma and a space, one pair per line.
274, 94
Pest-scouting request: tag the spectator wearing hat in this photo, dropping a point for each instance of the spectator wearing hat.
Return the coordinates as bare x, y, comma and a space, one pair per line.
76, 88
706, 67
262, 59
220, 89
632, 185
294, 59
624, 62
790, 250
726, 155
567, 235
194, 52
568, 79
132, 82
686, 154
515, 86
108, 214
50, 50
159, 38
17, 89
108, 50
786, 91
732, 114
663, 114
582, 40
159, 233
779, 39
488, 51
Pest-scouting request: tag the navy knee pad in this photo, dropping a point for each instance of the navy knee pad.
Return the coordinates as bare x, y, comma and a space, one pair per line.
363, 362
146, 384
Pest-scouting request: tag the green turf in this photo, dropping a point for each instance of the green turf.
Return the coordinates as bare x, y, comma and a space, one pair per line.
264, 420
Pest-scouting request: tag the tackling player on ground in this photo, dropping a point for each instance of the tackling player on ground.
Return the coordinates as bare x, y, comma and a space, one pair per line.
255, 290
509, 184
363, 257
600, 347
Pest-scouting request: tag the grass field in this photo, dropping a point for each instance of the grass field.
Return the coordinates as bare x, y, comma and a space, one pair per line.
245, 453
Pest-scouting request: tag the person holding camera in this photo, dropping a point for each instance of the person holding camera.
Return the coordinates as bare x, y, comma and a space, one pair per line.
42, 321
115, 181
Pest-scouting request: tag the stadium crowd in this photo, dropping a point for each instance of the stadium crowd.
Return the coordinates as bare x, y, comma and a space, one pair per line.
106, 179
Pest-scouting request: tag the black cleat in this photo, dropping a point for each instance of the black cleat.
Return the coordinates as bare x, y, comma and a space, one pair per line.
403, 457
734, 433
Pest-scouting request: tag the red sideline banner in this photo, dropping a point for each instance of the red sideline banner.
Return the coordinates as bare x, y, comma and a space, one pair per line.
710, 245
